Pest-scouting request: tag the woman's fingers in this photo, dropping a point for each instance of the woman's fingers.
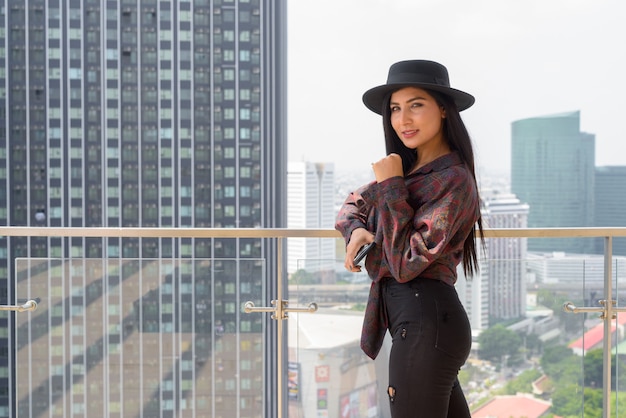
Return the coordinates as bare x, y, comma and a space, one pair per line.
349, 264
387, 167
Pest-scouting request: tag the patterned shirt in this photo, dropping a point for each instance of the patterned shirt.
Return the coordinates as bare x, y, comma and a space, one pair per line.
419, 223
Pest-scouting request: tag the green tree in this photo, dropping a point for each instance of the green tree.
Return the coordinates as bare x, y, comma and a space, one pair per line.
567, 372
592, 362
522, 383
553, 354
562, 365
567, 401
497, 342
594, 369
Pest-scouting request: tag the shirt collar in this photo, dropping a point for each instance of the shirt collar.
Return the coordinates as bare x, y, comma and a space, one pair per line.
441, 163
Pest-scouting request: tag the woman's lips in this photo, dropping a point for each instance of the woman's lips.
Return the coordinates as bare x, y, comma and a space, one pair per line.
409, 134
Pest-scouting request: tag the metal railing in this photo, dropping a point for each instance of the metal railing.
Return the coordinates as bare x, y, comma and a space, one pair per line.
280, 306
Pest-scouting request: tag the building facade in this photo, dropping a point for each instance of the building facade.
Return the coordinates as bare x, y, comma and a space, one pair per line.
507, 259
310, 204
552, 169
498, 292
610, 201
151, 113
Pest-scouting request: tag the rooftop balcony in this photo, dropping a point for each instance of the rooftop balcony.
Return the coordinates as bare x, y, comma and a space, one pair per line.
221, 337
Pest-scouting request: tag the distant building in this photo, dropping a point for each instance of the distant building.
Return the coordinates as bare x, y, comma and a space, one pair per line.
506, 267
310, 204
572, 271
594, 338
499, 291
329, 376
610, 204
552, 169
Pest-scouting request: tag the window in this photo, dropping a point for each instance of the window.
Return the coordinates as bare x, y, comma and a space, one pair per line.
244, 133
75, 74
229, 74
229, 36
229, 172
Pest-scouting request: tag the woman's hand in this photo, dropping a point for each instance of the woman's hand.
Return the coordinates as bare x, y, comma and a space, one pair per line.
390, 166
358, 238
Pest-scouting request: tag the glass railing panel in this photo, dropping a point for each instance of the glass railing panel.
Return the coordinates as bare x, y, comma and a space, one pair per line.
522, 335
140, 338
328, 373
530, 346
618, 352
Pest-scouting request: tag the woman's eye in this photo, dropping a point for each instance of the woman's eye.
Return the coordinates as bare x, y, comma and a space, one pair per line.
394, 108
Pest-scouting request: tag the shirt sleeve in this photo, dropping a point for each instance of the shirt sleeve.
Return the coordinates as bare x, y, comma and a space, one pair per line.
415, 238
354, 213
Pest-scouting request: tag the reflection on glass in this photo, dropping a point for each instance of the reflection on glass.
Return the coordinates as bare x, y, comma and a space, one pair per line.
139, 338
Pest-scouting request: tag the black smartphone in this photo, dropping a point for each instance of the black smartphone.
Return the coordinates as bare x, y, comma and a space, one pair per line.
363, 252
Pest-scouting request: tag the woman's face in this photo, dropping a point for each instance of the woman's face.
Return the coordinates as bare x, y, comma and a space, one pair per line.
417, 118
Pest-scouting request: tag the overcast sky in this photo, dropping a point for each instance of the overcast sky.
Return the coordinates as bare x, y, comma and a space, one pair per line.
519, 58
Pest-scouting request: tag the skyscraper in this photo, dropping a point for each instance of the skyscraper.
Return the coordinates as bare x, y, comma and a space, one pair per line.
552, 169
507, 259
310, 205
146, 114
610, 201
498, 292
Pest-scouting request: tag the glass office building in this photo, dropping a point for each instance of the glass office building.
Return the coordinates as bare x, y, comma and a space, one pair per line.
610, 203
552, 170
142, 113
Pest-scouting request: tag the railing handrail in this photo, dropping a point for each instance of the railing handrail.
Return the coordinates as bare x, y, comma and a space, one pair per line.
156, 232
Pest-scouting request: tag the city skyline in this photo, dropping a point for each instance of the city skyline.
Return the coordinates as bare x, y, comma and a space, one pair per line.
520, 60
167, 114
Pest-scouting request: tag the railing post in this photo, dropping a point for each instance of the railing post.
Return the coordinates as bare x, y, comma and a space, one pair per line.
608, 312
608, 295
279, 315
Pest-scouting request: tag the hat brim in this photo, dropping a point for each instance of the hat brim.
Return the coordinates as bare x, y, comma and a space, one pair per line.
374, 97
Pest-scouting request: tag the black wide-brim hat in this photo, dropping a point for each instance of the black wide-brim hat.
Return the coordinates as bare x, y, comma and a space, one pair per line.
423, 74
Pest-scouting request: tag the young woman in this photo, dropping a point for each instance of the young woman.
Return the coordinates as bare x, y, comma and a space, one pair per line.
421, 213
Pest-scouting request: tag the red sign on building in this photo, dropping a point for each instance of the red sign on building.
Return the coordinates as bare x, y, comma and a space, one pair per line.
322, 374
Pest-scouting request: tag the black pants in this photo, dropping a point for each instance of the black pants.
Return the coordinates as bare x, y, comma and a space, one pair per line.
432, 338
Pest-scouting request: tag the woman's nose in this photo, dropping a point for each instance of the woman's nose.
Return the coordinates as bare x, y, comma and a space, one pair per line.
405, 115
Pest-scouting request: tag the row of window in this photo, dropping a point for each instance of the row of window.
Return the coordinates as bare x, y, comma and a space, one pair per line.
130, 134
128, 75
35, 34
164, 251
201, 95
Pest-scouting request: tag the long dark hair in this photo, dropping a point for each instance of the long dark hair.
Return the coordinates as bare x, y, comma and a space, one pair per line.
456, 136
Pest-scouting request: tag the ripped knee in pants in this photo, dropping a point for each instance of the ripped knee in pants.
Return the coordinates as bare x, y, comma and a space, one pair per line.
391, 391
